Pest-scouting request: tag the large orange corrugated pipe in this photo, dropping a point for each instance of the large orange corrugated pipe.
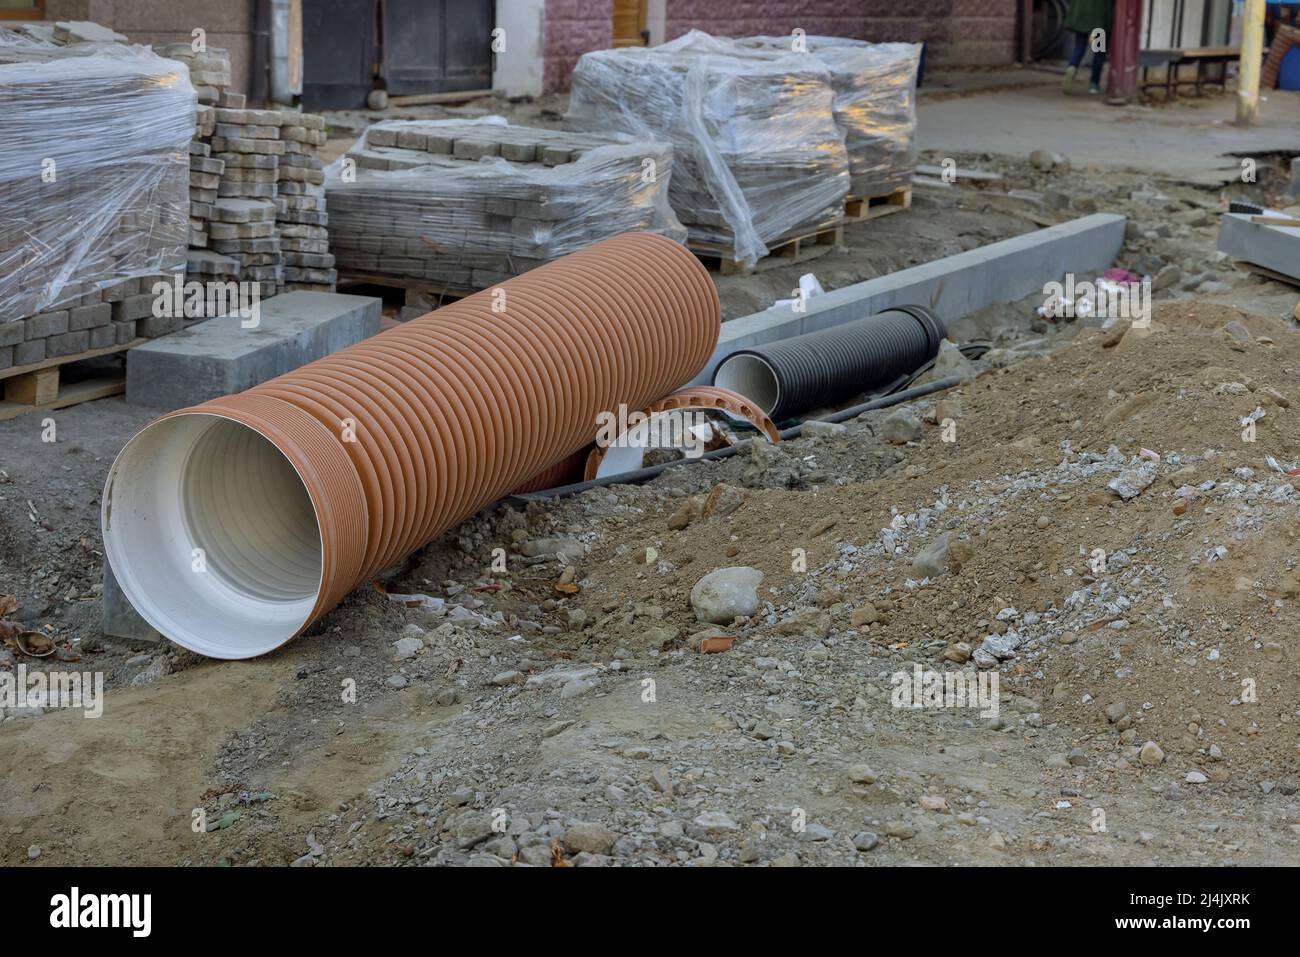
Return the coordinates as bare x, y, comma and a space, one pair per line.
233, 525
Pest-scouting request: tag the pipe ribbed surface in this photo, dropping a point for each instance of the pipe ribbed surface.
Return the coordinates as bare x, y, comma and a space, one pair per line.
818, 369
233, 525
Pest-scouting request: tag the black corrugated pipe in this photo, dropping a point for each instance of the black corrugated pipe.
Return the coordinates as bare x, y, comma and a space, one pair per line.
821, 368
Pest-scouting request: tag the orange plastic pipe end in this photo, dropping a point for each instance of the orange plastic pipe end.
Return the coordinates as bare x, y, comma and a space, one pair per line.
233, 525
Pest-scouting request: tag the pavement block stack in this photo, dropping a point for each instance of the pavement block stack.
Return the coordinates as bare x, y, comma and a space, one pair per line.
468, 204
301, 217
758, 155
94, 191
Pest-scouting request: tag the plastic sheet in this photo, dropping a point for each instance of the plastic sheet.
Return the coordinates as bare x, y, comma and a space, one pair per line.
759, 157
471, 203
94, 170
875, 105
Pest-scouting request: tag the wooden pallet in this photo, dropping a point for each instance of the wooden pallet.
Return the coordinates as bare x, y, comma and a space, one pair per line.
441, 292
44, 386
796, 249
860, 208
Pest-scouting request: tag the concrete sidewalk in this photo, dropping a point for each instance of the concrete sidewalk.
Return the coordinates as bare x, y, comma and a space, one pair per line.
1189, 140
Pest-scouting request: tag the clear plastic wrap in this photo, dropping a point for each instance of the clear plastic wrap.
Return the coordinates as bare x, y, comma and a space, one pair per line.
94, 170
759, 157
875, 105
470, 203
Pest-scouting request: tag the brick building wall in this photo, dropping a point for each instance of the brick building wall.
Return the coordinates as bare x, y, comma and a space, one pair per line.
959, 32
572, 28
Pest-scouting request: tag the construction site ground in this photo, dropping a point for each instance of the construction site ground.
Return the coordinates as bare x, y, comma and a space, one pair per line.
542, 725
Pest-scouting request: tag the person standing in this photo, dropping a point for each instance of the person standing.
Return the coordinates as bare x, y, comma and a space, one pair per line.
1084, 17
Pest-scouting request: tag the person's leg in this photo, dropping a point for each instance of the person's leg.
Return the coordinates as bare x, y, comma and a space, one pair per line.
1098, 62
1078, 47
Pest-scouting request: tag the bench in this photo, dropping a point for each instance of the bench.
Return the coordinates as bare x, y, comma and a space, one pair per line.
1172, 59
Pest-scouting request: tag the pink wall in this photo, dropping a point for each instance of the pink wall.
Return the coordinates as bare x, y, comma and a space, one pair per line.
572, 28
959, 32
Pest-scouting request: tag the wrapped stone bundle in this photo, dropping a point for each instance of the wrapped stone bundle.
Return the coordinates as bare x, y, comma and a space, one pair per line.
470, 203
875, 105
94, 171
758, 157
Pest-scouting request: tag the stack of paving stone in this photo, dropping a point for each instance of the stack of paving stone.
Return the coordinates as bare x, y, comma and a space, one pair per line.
101, 319
758, 156
93, 191
468, 204
875, 105
248, 142
301, 219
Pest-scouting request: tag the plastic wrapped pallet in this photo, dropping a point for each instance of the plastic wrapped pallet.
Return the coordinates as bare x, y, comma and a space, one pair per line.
472, 203
759, 157
94, 170
875, 105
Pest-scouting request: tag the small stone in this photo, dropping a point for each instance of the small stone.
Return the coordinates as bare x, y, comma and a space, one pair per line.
589, 837
816, 832
33, 852
662, 781
507, 678
722, 500
726, 594
1115, 711
1195, 777
862, 774
687, 513
1132, 482
716, 822
901, 830
816, 429
575, 687
1068, 638
864, 614
407, 648
555, 727
396, 681
1151, 753
933, 802
900, 427
865, 840
1076, 757
958, 652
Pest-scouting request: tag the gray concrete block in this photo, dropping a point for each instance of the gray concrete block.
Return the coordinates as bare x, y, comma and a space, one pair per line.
1273, 247
88, 317
26, 353
219, 357
12, 333
120, 619
70, 343
134, 307
101, 337
953, 287
47, 324
151, 327
6, 356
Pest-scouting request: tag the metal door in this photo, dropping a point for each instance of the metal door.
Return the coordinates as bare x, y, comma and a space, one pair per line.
435, 46
339, 52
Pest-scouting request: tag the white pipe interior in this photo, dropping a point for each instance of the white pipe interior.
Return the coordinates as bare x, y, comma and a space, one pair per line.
752, 377
202, 481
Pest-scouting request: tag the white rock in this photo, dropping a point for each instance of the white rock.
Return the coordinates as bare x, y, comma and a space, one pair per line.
726, 593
